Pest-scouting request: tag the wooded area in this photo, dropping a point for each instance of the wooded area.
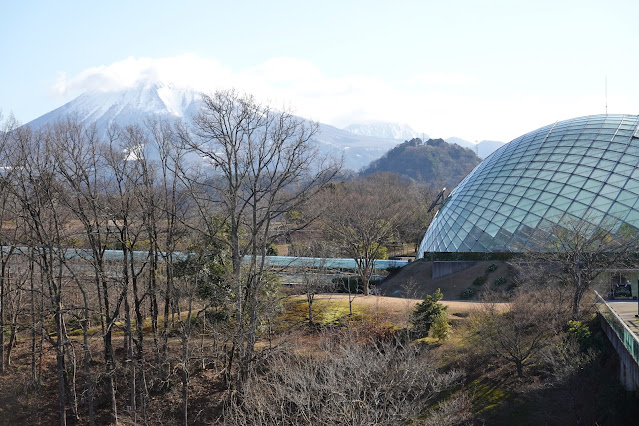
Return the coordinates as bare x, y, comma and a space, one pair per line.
132, 275
186, 215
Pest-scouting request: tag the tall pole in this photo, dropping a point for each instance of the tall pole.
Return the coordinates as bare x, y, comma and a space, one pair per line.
606, 94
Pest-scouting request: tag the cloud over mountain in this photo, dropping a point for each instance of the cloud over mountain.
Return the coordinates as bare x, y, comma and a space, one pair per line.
284, 81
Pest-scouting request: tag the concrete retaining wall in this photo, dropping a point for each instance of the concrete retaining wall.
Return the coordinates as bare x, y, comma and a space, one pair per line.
443, 268
628, 368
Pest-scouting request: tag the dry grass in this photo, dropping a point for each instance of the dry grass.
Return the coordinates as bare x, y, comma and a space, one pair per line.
379, 312
398, 306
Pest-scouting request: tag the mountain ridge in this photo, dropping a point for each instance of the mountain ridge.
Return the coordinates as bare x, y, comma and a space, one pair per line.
383, 129
357, 144
154, 99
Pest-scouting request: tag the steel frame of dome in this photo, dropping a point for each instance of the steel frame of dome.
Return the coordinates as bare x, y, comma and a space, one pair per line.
585, 168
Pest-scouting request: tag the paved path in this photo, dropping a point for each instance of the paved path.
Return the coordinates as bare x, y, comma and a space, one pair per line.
626, 311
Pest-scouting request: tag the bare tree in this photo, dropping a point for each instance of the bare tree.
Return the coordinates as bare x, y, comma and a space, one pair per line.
170, 200
125, 158
362, 217
314, 281
576, 252
263, 164
7, 212
519, 331
39, 193
396, 387
420, 196
78, 154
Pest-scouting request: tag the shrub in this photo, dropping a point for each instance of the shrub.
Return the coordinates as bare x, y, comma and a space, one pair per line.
579, 330
479, 280
391, 384
467, 293
426, 313
500, 281
271, 250
342, 283
441, 326
491, 268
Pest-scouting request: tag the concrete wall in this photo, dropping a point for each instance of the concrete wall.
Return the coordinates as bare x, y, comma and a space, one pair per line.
443, 268
628, 368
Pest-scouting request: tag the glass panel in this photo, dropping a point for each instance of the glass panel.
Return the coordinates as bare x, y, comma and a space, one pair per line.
547, 198
626, 197
492, 229
610, 191
578, 209
539, 209
553, 187
601, 203
593, 185
618, 210
532, 220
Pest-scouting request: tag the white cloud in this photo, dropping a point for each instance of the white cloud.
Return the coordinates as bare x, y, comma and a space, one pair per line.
442, 78
184, 70
283, 81
440, 104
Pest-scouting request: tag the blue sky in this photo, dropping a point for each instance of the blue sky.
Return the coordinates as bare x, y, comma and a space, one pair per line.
473, 69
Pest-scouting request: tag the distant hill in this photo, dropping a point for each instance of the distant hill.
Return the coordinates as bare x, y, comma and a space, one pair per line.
486, 148
435, 161
483, 149
461, 142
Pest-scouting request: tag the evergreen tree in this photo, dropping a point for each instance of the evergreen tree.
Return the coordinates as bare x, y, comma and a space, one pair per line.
427, 312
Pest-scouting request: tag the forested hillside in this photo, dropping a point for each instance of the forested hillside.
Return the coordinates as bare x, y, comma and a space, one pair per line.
435, 161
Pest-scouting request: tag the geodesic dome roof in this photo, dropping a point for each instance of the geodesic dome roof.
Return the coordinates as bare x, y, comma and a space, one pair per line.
579, 169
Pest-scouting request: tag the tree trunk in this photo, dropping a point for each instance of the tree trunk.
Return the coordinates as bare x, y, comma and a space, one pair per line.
61, 369
185, 378
2, 303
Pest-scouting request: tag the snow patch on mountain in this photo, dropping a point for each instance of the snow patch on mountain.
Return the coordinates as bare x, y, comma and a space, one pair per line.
483, 149
128, 106
381, 129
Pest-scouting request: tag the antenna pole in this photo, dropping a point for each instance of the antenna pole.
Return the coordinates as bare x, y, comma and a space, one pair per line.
606, 94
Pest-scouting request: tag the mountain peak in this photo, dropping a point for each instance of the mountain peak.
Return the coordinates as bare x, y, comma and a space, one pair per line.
127, 106
382, 129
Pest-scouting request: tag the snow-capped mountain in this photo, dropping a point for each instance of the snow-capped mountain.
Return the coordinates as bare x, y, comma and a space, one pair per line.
381, 129
124, 107
483, 149
159, 100
461, 142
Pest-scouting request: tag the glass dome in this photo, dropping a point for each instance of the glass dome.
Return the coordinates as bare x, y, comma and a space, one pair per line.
579, 169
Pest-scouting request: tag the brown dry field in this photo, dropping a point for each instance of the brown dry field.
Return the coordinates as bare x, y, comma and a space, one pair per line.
397, 305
